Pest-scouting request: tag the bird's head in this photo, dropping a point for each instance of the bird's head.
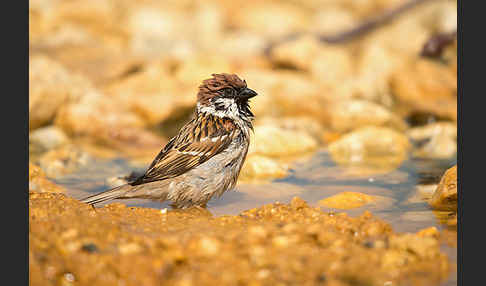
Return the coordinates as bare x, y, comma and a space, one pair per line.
225, 95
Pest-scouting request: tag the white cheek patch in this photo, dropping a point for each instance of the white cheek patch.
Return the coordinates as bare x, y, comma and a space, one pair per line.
230, 108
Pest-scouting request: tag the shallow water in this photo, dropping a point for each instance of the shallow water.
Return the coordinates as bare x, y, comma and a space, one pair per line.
318, 178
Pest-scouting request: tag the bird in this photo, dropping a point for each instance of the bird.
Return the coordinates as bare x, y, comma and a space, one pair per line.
205, 158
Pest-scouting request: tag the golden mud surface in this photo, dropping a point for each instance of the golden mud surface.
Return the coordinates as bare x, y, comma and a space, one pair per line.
71, 243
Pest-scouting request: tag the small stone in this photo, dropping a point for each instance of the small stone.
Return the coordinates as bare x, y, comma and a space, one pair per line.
69, 277
149, 94
423, 247
298, 203
332, 65
262, 167
378, 147
273, 141
90, 248
441, 140
69, 234
50, 87
262, 274
64, 160
426, 86
46, 138
445, 196
430, 231
271, 19
129, 248
430, 130
39, 183
299, 53
281, 241
257, 231
347, 115
209, 246
82, 117
347, 200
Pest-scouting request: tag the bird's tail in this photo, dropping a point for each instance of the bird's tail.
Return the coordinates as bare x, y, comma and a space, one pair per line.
115, 193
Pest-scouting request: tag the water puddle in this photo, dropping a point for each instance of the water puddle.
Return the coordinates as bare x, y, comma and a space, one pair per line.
400, 204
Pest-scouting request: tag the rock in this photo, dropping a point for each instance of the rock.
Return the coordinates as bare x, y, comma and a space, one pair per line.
375, 65
332, 65
297, 54
50, 87
448, 129
281, 241
423, 247
328, 64
264, 82
395, 37
208, 246
129, 248
297, 203
377, 147
443, 17
152, 94
333, 19
452, 221
347, 115
155, 27
262, 167
39, 183
445, 196
273, 141
118, 128
64, 160
272, 20
304, 124
430, 231
241, 46
426, 86
440, 137
281, 93
209, 24
347, 200
46, 138
95, 114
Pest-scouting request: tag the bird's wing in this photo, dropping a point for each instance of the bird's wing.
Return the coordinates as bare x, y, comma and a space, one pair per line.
198, 141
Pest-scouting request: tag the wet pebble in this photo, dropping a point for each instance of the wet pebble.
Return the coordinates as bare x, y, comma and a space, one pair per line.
445, 196
378, 147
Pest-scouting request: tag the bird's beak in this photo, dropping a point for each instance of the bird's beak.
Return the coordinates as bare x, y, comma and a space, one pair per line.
247, 93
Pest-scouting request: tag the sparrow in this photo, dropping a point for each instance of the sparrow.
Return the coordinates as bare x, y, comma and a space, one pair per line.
205, 158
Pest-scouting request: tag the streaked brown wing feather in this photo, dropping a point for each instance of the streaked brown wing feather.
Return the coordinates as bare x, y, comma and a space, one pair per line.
193, 146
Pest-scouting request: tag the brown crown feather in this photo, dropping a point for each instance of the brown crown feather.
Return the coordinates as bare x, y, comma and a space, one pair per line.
209, 87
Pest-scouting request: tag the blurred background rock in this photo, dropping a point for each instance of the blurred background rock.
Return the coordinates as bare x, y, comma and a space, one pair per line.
124, 75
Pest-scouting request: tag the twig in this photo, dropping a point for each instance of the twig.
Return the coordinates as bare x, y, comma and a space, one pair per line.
360, 30
434, 47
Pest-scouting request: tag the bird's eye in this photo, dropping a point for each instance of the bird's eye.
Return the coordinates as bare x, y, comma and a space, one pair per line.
228, 92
